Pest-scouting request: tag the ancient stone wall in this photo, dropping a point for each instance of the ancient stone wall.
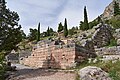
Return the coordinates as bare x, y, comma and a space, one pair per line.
55, 56
102, 35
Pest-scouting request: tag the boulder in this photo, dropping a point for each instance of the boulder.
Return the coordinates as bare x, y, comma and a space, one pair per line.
118, 42
116, 34
93, 73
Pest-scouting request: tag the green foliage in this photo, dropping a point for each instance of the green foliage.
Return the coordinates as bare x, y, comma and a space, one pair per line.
60, 27
114, 21
2, 67
114, 75
65, 28
38, 34
33, 34
51, 32
95, 22
81, 26
116, 9
113, 42
114, 71
73, 31
10, 32
48, 31
92, 24
43, 34
86, 25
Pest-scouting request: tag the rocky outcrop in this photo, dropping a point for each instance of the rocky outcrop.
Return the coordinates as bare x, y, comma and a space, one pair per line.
93, 73
109, 10
102, 35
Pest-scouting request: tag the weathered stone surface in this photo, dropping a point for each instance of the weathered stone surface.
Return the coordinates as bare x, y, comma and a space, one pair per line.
109, 10
12, 57
56, 54
102, 35
116, 34
115, 50
110, 53
110, 58
118, 42
93, 73
88, 45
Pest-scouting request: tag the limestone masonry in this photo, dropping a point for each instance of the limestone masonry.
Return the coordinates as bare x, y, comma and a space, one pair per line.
56, 54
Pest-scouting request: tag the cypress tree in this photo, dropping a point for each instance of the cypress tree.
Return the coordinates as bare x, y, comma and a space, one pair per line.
65, 28
60, 27
48, 31
86, 25
99, 20
38, 34
116, 9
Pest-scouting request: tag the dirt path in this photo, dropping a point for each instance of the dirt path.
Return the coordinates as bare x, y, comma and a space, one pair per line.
27, 73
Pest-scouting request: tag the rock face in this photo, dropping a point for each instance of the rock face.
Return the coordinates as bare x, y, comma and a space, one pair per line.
93, 73
102, 35
109, 10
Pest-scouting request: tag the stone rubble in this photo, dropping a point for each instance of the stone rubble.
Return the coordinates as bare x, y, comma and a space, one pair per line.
102, 35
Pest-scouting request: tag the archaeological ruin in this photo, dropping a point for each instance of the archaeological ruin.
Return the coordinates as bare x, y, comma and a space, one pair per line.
56, 54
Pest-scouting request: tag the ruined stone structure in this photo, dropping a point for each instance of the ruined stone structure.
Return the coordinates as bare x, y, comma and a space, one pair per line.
102, 35
56, 54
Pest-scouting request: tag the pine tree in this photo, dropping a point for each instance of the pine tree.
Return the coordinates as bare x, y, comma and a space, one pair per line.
86, 25
60, 27
10, 31
38, 34
116, 9
65, 28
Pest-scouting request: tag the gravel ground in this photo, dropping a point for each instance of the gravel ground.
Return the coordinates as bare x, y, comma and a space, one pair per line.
27, 73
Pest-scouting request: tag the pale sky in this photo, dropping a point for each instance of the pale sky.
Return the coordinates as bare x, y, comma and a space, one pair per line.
52, 12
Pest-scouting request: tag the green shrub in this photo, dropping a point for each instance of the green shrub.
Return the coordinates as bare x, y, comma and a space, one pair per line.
114, 71
114, 75
2, 68
113, 42
114, 21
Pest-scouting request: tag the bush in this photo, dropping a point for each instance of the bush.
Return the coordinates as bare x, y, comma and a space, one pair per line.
114, 21
114, 75
114, 71
113, 42
2, 68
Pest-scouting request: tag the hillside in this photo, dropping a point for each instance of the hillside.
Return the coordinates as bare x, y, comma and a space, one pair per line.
109, 10
62, 54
